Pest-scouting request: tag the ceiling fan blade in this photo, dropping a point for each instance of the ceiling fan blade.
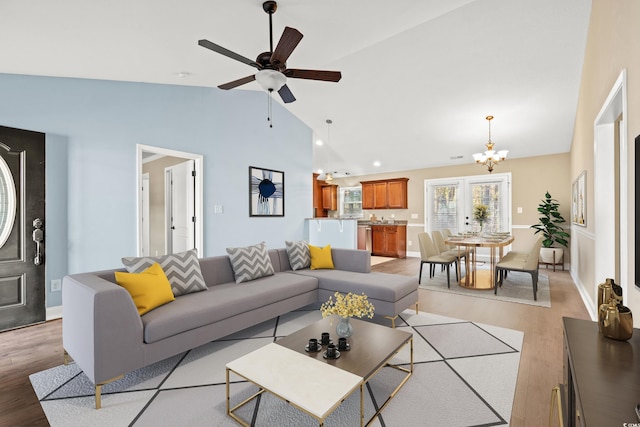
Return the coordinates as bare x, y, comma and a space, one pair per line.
286, 95
226, 52
238, 82
327, 76
288, 42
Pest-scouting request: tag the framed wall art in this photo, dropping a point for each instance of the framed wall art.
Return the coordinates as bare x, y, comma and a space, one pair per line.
579, 200
266, 192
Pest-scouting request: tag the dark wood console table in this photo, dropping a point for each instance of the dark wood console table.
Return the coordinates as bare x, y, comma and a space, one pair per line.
601, 376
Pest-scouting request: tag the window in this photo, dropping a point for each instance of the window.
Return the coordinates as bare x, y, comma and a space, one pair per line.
444, 210
351, 202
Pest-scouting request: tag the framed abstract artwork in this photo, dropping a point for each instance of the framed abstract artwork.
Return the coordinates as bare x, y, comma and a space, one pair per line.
266, 192
579, 200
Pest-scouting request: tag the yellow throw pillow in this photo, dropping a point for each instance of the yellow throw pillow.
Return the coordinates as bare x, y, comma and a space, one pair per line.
321, 257
149, 289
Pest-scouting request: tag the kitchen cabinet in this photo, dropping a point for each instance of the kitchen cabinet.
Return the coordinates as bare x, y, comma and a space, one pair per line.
385, 194
318, 211
389, 240
330, 197
367, 196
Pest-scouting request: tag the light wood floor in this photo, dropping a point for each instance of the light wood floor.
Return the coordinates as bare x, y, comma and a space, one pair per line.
35, 348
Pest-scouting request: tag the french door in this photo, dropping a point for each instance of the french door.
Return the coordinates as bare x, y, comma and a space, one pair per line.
450, 203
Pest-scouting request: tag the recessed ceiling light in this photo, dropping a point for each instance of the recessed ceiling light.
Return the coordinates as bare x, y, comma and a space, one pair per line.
320, 171
319, 142
376, 163
183, 74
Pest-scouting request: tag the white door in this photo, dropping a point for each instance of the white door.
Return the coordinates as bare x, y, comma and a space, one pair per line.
450, 203
179, 202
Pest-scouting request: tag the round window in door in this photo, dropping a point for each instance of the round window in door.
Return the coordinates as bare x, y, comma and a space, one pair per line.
7, 202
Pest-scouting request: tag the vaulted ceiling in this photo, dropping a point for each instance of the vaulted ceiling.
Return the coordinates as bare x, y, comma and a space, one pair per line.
419, 76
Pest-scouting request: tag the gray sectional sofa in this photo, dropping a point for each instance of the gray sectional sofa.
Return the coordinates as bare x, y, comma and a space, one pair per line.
106, 337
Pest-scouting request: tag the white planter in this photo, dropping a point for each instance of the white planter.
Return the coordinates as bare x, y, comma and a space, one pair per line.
547, 255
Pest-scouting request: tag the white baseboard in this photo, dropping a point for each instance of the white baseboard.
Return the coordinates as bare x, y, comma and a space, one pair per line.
54, 313
586, 299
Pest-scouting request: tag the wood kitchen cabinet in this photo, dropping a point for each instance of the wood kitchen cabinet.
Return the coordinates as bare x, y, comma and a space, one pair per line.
389, 240
330, 197
385, 194
367, 196
318, 211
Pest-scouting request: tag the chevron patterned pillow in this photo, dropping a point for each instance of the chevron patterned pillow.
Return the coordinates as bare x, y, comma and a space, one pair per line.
299, 256
250, 263
182, 270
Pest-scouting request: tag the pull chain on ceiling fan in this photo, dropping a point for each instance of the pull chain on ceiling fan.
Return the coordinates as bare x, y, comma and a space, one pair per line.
272, 66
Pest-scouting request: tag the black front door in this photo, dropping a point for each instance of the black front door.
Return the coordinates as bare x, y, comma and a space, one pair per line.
22, 273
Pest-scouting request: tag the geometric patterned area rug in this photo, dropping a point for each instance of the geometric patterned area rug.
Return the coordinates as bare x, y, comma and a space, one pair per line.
517, 287
464, 375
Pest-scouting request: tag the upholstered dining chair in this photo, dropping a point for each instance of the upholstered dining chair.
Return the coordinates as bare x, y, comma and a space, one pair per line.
524, 261
429, 254
438, 238
446, 233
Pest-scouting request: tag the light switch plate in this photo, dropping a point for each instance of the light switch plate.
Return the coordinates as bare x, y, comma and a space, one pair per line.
56, 285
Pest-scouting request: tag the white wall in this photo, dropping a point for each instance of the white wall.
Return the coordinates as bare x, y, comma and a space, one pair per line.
98, 125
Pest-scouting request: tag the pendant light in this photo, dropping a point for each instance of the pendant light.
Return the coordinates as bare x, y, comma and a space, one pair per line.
328, 176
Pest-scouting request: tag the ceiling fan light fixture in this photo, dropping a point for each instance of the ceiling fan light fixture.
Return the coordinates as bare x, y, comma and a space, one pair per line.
271, 80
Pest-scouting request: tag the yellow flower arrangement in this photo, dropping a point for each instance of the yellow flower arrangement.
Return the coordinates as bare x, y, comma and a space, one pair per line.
350, 305
481, 213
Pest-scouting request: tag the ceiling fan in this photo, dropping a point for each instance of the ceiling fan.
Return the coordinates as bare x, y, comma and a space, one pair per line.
272, 66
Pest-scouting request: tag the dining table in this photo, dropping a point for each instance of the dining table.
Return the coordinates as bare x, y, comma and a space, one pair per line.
468, 245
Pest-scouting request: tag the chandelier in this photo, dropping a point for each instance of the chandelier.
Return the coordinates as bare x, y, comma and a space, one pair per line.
490, 158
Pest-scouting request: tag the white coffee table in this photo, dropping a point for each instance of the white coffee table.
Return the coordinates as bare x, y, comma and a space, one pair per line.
285, 370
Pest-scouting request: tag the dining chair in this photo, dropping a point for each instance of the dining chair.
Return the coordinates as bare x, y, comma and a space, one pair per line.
523, 261
446, 233
443, 248
429, 254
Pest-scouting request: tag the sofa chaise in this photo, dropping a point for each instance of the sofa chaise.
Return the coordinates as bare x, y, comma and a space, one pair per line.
106, 336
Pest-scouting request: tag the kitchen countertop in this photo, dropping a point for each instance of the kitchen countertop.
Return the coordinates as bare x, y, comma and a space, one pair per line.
396, 222
361, 222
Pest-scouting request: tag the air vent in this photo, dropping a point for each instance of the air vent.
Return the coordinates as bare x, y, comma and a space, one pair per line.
456, 157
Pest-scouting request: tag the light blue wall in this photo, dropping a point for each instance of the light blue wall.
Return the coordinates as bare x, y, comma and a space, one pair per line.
93, 127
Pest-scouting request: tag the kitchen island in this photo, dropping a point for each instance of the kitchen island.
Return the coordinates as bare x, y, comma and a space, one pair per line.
337, 232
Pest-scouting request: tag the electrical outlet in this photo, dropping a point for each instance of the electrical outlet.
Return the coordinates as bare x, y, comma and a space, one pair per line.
414, 216
217, 209
409, 243
519, 209
56, 285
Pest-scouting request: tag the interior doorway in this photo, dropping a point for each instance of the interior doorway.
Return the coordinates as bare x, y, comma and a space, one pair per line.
170, 201
611, 185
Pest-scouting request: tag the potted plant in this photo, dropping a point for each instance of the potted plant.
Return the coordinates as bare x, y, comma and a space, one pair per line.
553, 233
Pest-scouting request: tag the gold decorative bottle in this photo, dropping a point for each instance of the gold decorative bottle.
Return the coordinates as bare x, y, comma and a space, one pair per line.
615, 321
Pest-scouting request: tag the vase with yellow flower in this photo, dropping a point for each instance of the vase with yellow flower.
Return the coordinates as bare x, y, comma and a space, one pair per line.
346, 307
481, 214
